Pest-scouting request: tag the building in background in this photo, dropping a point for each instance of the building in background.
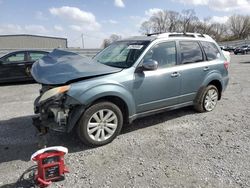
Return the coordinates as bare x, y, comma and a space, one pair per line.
25, 41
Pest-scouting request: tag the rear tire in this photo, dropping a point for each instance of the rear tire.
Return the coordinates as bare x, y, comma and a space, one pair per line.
207, 99
100, 124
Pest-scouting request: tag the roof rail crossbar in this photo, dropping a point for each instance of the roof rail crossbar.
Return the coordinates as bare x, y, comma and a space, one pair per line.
156, 33
181, 35
188, 34
200, 35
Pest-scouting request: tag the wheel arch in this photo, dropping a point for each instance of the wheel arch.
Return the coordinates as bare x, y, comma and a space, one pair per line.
214, 78
119, 102
112, 93
218, 85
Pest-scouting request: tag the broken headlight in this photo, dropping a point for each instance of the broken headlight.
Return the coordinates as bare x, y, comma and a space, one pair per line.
53, 93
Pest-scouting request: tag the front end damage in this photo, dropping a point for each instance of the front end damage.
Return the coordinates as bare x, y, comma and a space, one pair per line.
56, 110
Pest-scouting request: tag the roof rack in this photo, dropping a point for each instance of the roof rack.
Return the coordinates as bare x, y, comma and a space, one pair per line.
183, 34
174, 34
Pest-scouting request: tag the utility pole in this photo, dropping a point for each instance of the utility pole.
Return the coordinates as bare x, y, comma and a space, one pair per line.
82, 41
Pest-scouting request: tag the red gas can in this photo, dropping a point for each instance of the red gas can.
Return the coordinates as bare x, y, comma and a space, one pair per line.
51, 166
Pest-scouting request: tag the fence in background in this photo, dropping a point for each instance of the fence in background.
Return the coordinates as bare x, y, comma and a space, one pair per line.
86, 52
235, 43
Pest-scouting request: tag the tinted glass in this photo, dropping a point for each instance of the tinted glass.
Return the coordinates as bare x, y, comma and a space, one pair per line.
33, 56
17, 57
211, 50
190, 52
164, 54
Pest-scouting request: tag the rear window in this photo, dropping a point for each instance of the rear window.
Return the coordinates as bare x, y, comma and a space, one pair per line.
211, 50
190, 52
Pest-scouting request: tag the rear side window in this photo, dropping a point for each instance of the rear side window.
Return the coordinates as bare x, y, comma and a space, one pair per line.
36, 55
190, 52
211, 50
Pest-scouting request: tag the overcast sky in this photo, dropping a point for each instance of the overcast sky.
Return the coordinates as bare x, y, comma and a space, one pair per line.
97, 19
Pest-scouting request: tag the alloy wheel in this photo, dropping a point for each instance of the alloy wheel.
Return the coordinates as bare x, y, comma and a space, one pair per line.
102, 125
211, 99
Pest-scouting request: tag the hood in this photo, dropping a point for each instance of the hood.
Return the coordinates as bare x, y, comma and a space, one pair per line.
60, 67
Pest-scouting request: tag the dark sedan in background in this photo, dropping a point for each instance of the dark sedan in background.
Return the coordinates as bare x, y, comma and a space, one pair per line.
242, 50
16, 66
228, 48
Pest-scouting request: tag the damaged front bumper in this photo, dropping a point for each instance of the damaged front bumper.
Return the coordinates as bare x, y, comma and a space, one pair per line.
59, 112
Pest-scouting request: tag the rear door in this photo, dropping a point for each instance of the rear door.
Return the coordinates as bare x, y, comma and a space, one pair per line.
32, 56
12, 66
196, 64
193, 67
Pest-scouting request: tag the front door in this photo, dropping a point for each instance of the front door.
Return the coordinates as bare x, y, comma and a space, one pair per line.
12, 67
158, 88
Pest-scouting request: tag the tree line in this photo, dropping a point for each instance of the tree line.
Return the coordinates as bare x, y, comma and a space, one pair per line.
236, 27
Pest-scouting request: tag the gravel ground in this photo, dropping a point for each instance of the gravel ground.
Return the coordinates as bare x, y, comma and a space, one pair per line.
180, 148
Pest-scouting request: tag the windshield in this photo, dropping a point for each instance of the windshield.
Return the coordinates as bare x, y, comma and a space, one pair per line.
122, 54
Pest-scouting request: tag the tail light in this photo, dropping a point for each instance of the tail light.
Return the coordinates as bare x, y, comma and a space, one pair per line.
226, 64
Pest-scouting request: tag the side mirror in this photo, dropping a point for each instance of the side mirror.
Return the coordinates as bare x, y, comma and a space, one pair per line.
149, 64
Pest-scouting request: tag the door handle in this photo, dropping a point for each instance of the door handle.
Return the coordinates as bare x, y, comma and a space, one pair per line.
206, 68
20, 64
175, 74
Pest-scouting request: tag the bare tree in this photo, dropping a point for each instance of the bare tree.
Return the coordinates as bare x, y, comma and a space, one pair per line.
174, 21
114, 37
189, 20
162, 21
220, 32
110, 40
105, 43
204, 26
146, 27
239, 25
159, 21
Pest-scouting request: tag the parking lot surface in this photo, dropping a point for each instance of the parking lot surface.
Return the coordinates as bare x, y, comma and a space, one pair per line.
180, 148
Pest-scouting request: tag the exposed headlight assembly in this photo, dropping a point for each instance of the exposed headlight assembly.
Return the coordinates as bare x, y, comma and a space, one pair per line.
54, 93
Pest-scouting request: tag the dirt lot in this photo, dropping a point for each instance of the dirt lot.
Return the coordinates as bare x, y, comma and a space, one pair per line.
180, 148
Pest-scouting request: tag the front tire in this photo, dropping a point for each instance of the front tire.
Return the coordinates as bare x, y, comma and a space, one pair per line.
100, 124
207, 99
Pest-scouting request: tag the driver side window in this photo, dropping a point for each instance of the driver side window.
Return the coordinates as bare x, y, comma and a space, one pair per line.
15, 58
163, 53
